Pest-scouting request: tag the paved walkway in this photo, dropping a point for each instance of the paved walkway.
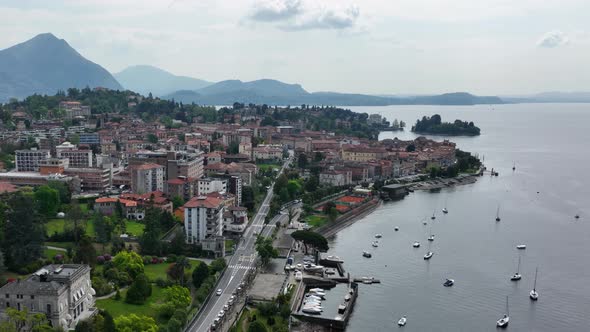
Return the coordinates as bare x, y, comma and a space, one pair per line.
56, 248
109, 295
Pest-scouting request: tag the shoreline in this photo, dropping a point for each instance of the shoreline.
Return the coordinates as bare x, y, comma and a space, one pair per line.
348, 219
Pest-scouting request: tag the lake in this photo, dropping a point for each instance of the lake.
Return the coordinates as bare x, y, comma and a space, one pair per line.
548, 143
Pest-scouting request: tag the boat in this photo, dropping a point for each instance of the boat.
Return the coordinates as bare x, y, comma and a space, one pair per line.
317, 290
320, 294
424, 221
342, 308
428, 255
431, 237
449, 283
433, 216
513, 166
534, 295
330, 271
402, 321
517, 276
347, 297
577, 216
521, 246
367, 254
503, 322
313, 297
312, 310
396, 228
375, 244
416, 244
378, 236
445, 211
498, 213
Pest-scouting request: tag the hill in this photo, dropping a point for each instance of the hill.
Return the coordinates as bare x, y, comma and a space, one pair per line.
46, 64
145, 79
278, 93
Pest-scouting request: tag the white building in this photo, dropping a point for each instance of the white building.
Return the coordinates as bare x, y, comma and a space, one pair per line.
212, 185
235, 219
146, 178
28, 160
203, 218
63, 293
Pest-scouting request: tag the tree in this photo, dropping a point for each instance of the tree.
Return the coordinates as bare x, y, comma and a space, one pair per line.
178, 243
21, 320
217, 265
312, 239
200, 273
85, 252
134, 323
302, 161
177, 201
248, 198
152, 138
176, 270
23, 233
139, 291
103, 228
63, 190
256, 326
47, 200
265, 249
129, 262
281, 183
75, 216
410, 148
150, 239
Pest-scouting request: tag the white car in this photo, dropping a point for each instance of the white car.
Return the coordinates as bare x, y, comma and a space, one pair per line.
225, 307
219, 291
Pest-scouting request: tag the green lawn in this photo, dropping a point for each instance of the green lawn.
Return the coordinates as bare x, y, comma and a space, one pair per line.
58, 226
134, 228
64, 245
155, 271
118, 308
264, 167
244, 321
229, 244
317, 220
50, 253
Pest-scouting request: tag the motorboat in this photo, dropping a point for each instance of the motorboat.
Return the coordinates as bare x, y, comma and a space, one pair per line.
375, 244
431, 237
416, 244
342, 308
319, 293
378, 236
312, 310
445, 211
449, 283
367, 254
517, 276
521, 246
424, 222
313, 297
313, 268
317, 290
577, 216
402, 321
534, 295
503, 322
396, 228
433, 216
330, 271
347, 297
335, 258
428, 255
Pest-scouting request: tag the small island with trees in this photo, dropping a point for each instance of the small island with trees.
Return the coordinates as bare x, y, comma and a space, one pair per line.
434, 125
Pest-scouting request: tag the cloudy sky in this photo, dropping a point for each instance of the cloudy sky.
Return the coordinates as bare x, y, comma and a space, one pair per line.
364, 46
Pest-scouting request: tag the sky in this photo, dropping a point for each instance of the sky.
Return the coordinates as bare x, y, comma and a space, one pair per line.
487, 47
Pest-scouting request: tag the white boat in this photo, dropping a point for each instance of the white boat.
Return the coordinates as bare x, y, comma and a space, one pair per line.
517, 276
521, 246
313, 311
330, 271
313, 297
396, 228
317, 290
534, 295
424, 222
428, 255
375, 244
416, 244
503, 322
444, 210
378, 236
367, 254
431, 237
402, 321
318, 294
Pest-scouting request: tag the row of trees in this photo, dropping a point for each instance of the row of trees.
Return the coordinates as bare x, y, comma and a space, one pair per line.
434, 125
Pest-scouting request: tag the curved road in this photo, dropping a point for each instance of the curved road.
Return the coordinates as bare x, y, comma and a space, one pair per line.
242, 261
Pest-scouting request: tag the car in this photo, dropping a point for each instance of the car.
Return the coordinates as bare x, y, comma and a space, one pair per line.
239, 289
299, 266
226, 307
219, 291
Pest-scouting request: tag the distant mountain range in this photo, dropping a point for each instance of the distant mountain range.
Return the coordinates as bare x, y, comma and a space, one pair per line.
278, 93
145, 79
550, 97
46, 64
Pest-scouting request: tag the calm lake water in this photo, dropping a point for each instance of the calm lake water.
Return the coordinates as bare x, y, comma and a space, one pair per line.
549, 144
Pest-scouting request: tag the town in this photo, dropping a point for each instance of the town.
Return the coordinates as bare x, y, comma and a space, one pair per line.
128, 211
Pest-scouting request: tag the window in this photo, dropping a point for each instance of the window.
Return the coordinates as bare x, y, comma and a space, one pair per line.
7, 296
32, 297
7, 304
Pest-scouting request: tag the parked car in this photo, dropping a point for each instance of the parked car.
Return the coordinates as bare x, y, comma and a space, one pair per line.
219, 291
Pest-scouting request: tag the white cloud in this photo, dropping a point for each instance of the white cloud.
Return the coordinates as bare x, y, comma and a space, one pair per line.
275, 10
293, 15
553, 39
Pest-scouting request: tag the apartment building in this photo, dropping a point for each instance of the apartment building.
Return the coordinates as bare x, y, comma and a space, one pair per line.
29, 160
210, 185
203, 218
147, 178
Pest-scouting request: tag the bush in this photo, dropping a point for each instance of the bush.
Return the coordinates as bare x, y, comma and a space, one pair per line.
171, 258
100, 260
107, 257
139, 290
117, 295
270, 321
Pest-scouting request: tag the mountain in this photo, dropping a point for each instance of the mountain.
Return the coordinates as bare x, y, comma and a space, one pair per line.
46, 64
145, 79
552, 97
274, 92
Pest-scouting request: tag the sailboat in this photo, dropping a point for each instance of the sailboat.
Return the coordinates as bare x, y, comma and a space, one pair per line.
533, 294
498, 213
444, 210
517, 276
503, 322
429, 253
431, 237
513, 166
433, 217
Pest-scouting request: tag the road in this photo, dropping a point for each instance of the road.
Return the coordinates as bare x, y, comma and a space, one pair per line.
242, 261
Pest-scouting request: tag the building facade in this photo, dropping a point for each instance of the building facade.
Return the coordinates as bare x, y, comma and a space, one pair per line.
147, 178
29, 160
63, 293
203, 218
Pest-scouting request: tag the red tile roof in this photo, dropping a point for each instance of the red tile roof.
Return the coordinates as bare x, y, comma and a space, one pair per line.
204, 202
